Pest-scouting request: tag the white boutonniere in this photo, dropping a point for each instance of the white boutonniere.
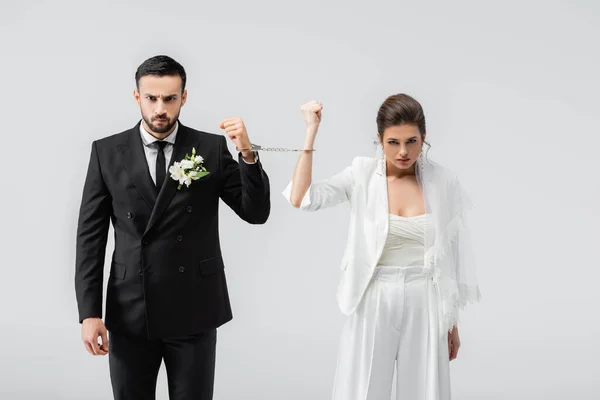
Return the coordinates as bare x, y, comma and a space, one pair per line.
189, 169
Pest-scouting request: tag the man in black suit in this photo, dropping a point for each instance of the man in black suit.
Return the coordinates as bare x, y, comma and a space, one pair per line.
167, 291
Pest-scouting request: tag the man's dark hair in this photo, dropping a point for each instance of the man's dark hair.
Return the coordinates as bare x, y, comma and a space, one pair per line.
160, 66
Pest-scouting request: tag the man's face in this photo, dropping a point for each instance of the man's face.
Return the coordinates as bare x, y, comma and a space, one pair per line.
160, 99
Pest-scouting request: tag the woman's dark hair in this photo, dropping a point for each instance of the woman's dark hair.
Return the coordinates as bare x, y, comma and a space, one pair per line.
400, 109
161, 66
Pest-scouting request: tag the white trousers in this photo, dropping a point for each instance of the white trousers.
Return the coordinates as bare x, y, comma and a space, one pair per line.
395, 325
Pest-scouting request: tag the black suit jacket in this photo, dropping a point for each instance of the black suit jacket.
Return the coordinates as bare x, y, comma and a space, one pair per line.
167, 273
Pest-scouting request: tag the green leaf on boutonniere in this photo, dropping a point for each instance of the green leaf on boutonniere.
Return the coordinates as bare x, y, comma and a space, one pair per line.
200, 174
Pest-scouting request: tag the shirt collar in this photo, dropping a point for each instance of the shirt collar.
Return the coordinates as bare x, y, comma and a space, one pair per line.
148, 139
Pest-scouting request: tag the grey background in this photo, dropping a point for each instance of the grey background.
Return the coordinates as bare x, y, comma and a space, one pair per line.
510, 90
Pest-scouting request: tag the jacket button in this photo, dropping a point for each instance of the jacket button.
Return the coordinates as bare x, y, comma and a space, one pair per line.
188, 208
145, 241
141, 271
179, 238
129, 215
181, 268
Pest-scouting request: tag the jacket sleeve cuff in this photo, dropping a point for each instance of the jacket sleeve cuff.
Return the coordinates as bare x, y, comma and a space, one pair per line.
305, 204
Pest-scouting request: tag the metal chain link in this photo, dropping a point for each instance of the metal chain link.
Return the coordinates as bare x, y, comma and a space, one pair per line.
257, 148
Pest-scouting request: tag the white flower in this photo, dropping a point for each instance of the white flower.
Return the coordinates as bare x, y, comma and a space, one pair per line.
187, 164
186, 170
176, 171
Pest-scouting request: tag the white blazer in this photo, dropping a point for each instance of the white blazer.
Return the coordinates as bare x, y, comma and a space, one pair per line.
364, 185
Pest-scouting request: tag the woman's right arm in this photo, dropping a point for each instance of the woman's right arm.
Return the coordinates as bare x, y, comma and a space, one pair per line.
301, 192
302, 178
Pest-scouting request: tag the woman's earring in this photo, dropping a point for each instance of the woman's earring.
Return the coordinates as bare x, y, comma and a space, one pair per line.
379, 146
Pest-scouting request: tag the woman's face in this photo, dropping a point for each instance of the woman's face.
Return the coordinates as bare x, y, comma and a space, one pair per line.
402, 145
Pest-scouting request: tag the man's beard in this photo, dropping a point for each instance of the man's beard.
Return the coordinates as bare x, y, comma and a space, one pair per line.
161, 128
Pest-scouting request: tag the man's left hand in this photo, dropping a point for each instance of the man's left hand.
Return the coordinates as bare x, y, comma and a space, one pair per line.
237, 133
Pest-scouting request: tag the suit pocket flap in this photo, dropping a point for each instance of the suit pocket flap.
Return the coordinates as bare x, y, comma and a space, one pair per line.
205, 177
118, 270
211, 266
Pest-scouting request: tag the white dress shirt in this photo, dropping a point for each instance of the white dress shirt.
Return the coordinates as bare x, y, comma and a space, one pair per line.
151, 150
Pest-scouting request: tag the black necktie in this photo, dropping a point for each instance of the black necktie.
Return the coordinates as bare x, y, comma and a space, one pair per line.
161, 165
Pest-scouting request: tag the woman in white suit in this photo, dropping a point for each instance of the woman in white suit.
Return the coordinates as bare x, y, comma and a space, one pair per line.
407, 268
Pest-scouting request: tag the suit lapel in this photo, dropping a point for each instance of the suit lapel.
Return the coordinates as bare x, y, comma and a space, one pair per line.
183, 145
381, 206
136, 166
424, 179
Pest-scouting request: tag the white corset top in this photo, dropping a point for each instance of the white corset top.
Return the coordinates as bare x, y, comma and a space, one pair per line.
404, 245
